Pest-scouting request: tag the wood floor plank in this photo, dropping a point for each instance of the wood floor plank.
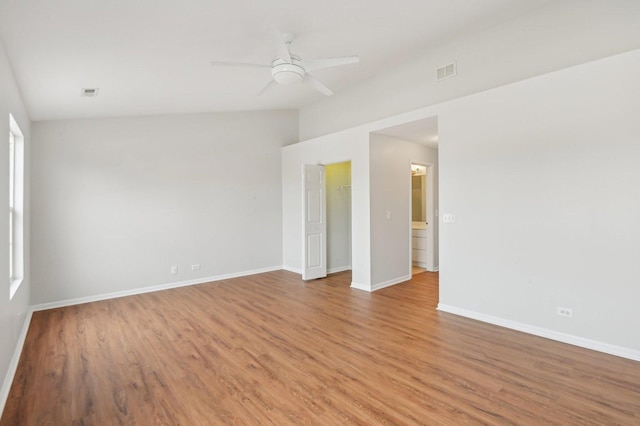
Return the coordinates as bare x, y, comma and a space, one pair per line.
271, 349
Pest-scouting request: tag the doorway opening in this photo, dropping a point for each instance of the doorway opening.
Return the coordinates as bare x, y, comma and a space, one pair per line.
418, 145
338, 192
327, 219
419, 218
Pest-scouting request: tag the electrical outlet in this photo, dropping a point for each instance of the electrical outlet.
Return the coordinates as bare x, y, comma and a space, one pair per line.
564, 312
174, 270
448, 218
195, 267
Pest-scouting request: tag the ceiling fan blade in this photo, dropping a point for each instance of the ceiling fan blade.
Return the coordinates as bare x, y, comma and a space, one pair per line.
282, 45
309, 79
319, 63
269, 85
238, 64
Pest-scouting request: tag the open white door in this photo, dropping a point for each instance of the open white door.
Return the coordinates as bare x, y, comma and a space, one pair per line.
315, 223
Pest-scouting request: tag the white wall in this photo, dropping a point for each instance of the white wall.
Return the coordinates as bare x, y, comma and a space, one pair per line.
561, 34
118, 201
380, 181
390, 167
543, 177
338, 190
343, 146
12, 312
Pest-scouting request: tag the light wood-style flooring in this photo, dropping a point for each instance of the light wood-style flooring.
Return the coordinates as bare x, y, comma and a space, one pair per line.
271, 349
415, 270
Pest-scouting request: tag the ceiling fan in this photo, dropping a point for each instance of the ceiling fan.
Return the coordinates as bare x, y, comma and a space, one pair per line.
287, 68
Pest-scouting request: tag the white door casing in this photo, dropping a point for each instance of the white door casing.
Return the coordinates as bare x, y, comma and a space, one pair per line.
314, 222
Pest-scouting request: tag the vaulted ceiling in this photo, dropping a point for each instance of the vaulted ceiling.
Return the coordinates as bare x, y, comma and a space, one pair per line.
154, 56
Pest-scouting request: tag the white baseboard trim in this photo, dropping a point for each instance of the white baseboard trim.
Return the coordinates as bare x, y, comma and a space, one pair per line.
379, 286
436, 269
141, 290
291, 269
339, 269
544, 332
359, 286
329, 271
13, 364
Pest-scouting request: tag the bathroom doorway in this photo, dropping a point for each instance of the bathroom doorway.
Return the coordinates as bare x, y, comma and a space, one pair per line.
419, 218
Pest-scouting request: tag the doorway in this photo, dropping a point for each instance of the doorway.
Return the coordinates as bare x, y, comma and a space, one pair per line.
419, 218
417, 143
327, 219
338, 192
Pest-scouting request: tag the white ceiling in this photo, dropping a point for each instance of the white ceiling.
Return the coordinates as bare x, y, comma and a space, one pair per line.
153, 56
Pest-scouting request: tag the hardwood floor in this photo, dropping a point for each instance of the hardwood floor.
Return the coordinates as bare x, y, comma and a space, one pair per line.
415, 270
271, 349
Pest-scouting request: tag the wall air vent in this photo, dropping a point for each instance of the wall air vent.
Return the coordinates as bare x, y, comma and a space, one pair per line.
90, 92
446, 71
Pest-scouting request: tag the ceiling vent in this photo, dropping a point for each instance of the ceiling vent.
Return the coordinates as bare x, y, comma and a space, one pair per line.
446, 71
90, 92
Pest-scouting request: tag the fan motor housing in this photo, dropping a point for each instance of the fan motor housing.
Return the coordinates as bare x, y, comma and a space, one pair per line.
286, 73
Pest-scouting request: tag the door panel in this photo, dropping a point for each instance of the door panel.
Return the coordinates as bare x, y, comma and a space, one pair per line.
314, 207
314, 254
315, 225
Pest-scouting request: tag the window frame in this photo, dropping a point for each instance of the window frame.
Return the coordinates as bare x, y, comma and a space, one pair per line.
16, 207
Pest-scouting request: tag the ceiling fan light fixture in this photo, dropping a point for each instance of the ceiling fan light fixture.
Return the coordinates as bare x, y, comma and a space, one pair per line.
286, 73
288, 69
287, 77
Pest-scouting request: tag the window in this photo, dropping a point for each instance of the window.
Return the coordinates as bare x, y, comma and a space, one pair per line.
16, 198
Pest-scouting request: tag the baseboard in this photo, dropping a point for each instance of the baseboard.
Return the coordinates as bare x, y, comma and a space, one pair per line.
424, 265
378, 286
359, 286
15, 359
329, 270
294, 270
141, 290
544, 332
339, 269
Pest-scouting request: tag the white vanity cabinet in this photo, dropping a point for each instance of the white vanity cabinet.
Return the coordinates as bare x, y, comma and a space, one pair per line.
419, 247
